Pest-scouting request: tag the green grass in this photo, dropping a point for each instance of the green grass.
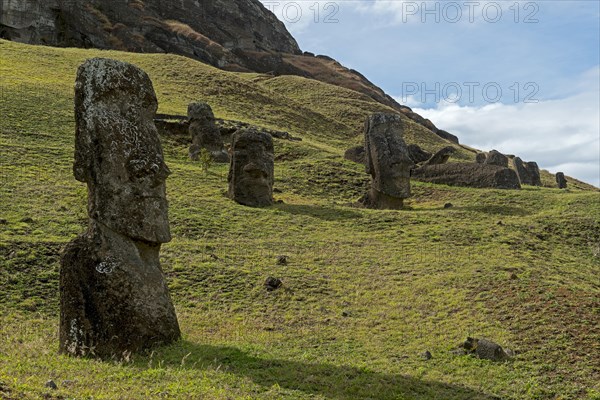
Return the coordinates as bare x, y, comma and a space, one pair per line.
365, 292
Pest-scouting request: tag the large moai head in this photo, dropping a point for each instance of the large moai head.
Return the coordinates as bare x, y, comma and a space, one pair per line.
251, 171
534, 171
387, 158
561, 181
205, 133
118, 151
494, 157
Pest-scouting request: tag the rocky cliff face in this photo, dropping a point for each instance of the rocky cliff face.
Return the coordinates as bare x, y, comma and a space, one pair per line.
210, 30
234, 35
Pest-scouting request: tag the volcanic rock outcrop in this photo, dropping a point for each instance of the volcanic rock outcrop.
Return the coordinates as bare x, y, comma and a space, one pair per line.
387, 161
251, 169
113, 295
468, 175
205, 133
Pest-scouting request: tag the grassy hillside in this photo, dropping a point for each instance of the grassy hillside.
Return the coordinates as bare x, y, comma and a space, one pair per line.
365, 292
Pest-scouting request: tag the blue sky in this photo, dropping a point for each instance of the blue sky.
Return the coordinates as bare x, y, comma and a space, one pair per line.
544, 57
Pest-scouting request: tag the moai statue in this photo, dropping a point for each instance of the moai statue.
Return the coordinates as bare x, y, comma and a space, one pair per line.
113, 296
205, 133
522, 172
442, 156
494, 157
387, 161
251, 174
534, 172
561, 181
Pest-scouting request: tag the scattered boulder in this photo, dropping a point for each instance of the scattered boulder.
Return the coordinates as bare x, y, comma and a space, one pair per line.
480, 158
448, 205
468, 175
496, 158
387, 161
417, 154
534, 172
3, 221
356, 154
282, 260
485, 349
426, 355
251, 170
27, 220
51, 385
442, 156
561, 181
272, 284
205, 133
113, 295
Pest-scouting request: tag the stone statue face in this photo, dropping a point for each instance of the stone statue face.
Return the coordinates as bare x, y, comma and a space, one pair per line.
388, 160
118, 151
251, 169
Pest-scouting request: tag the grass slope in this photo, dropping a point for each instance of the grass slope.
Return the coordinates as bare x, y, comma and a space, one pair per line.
365, 291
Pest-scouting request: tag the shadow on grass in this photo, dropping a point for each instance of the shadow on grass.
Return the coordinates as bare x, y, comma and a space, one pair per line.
496, 210
316, 379
321, 212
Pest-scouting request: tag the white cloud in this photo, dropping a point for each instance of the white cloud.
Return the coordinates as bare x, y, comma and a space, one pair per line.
561, 135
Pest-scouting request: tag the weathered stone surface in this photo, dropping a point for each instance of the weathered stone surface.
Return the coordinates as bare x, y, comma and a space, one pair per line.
485, 349
387, 161
114, 298
480, 158
230, 24
468, 175
522, 172
251, 170
417, 154
442, 156
356, 154
528, 172
561, 181
534, 172
494, 157
205, 133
